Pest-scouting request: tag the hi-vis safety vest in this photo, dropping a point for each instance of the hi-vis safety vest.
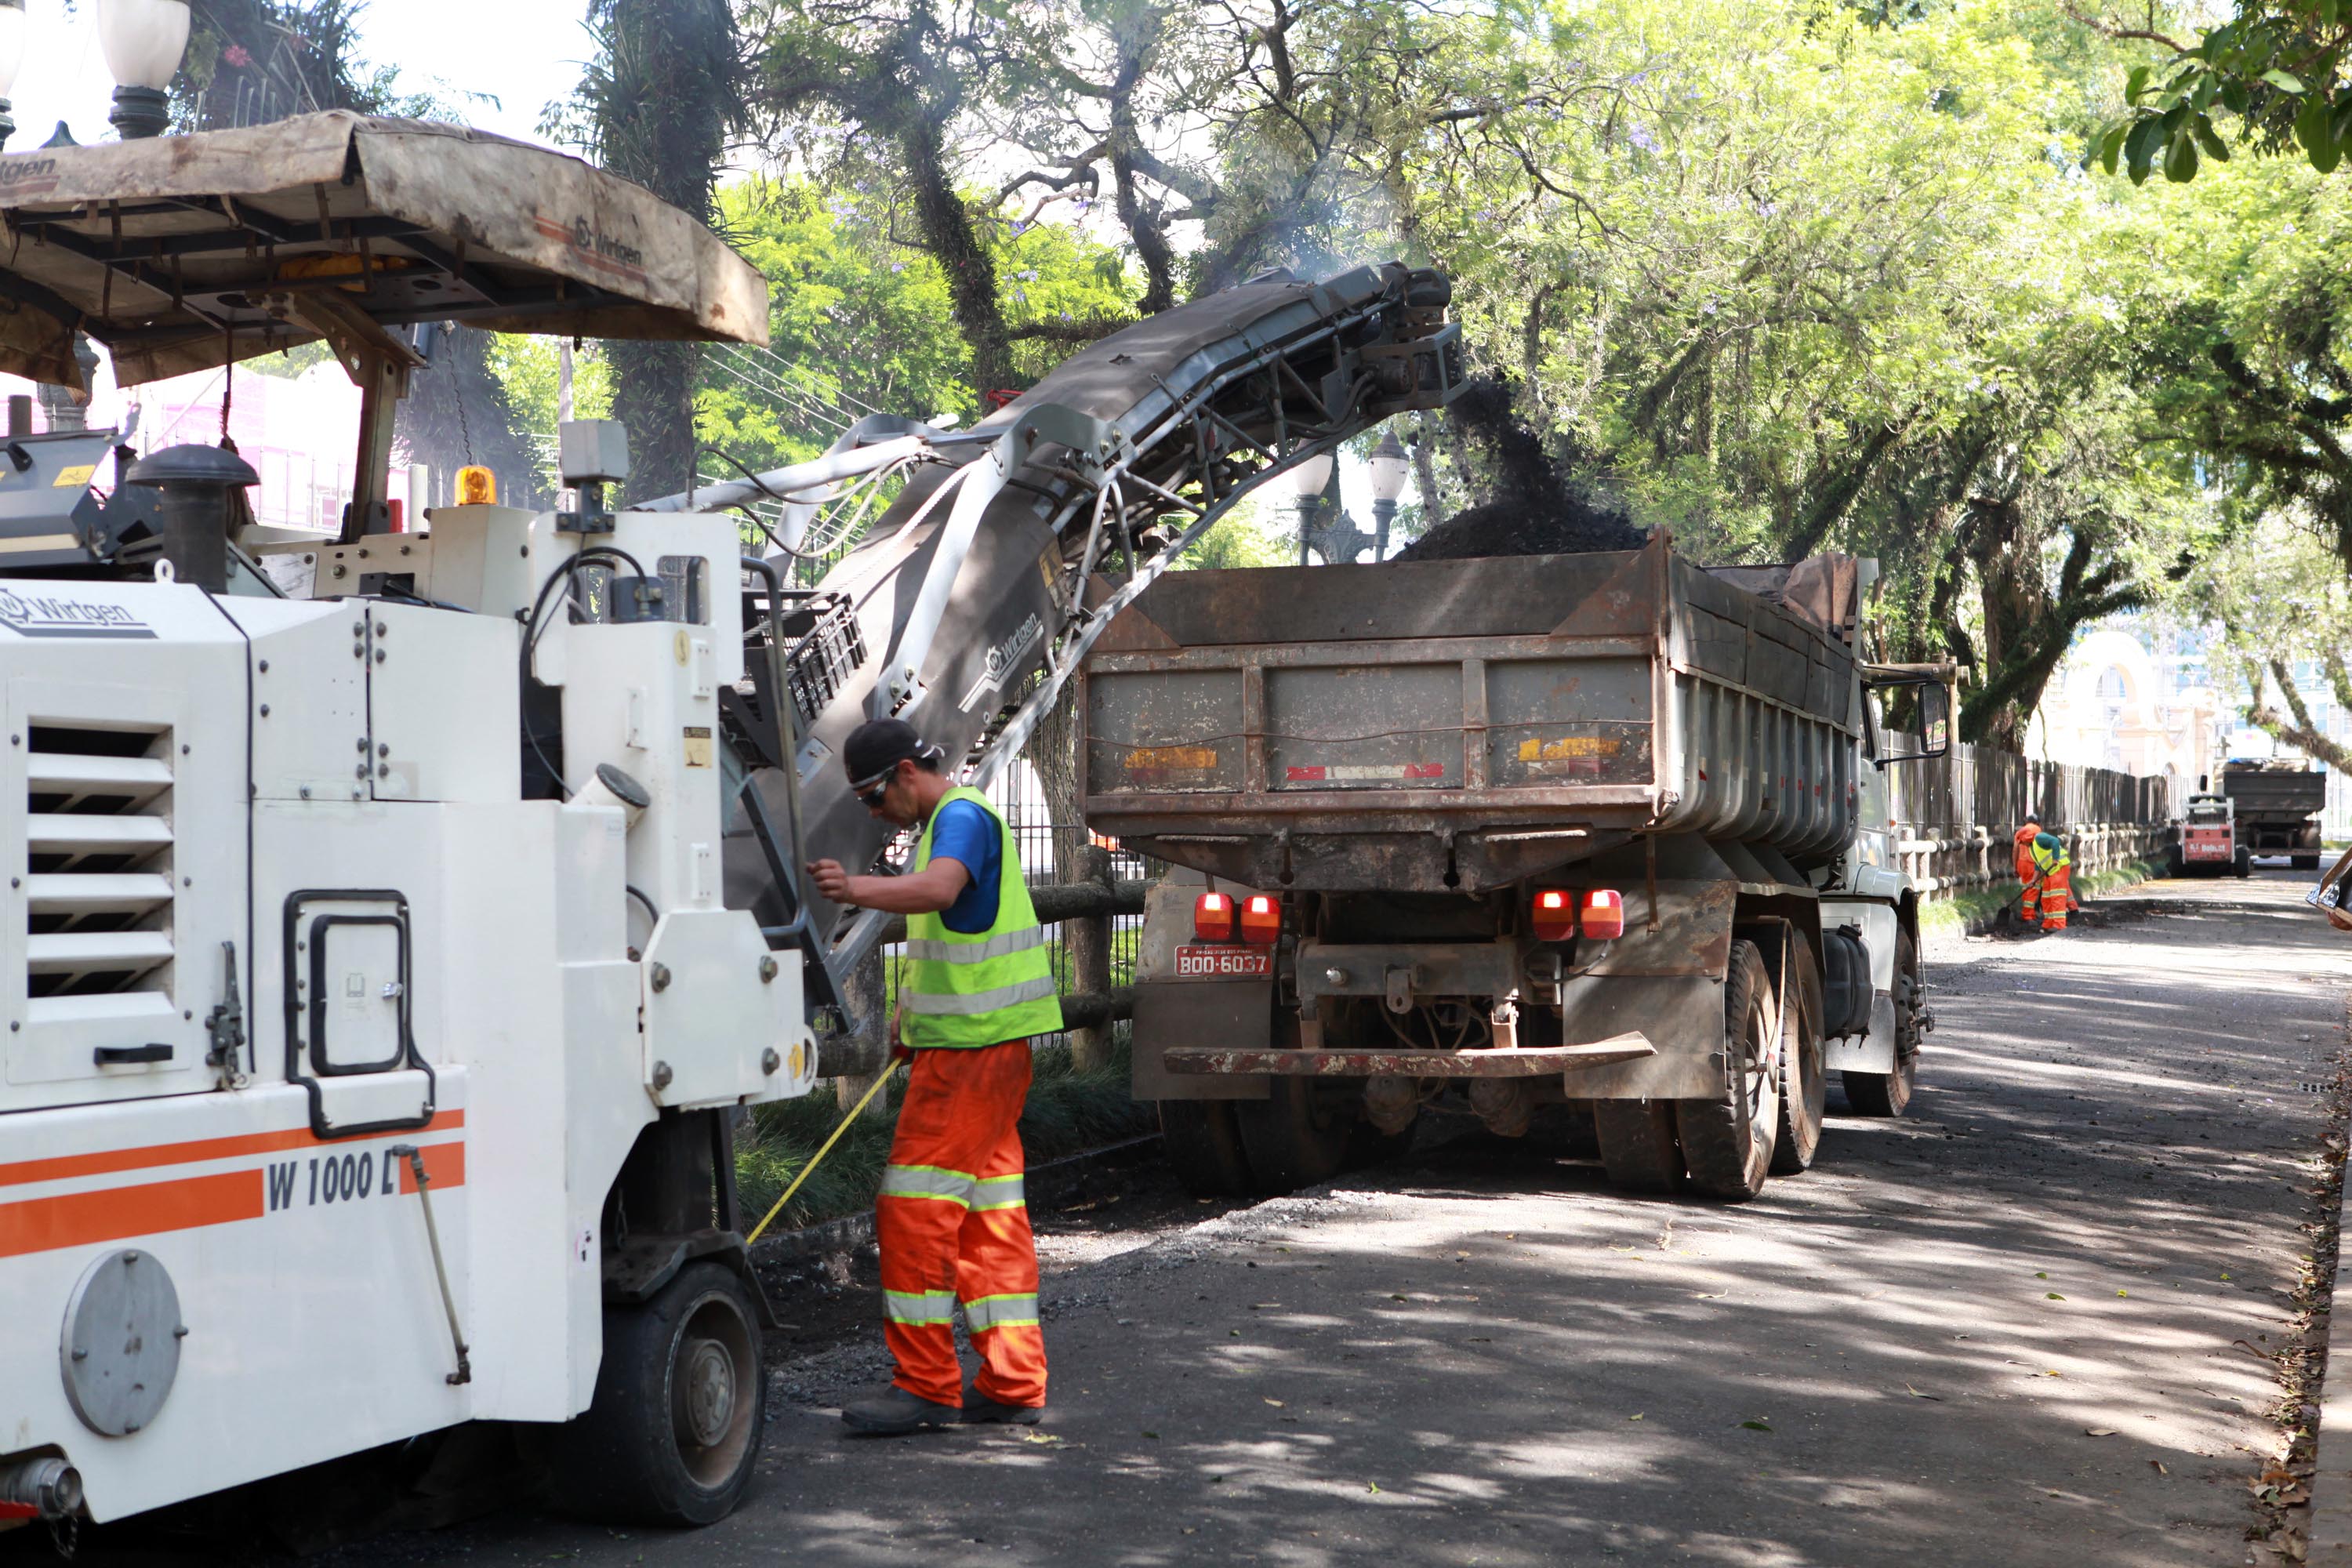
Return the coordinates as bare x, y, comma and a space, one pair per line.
966, 991
2050, 854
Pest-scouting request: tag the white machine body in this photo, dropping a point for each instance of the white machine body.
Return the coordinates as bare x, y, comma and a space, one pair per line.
216, 1265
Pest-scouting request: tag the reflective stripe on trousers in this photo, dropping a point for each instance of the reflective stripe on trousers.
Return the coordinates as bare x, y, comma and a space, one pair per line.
954, 1227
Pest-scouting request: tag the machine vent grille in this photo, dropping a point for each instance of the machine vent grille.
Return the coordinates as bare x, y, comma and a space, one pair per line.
98, 858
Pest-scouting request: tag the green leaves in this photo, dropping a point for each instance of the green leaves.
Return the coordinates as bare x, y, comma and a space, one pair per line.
2286, 81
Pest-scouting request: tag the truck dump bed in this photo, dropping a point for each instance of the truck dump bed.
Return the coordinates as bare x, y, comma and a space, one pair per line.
2276, 795
1465, 724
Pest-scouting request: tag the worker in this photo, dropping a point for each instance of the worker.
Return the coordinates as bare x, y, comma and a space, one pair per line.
2055, 867
979, 983
2028, 873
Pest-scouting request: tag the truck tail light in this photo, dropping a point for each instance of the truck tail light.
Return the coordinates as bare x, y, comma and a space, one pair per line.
1605, 914
1213, 917
1555, 915
1261, 920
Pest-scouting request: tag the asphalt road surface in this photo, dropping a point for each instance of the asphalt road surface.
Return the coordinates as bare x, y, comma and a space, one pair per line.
2003, 1330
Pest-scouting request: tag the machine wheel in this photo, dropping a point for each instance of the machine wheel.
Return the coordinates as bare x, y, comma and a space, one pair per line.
2306, 862
1728, 1139
1889, 1093
2175, 863
1203, 1145
672, 1435
1298, 1135
2245, 862
1804, 1081
1637, 1144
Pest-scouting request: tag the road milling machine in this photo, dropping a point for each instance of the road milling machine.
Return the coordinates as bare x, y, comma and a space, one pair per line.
396, 921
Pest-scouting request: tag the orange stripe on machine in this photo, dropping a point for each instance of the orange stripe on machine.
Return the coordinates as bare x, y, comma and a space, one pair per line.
78, 1219
341, 1176
65, 1167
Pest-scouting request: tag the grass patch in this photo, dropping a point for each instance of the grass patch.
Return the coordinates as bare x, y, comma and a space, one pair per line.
1069, 1112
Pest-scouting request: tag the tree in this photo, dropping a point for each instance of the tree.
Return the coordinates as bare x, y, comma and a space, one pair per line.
2281, 601
2275, 70
253, 61
657, 106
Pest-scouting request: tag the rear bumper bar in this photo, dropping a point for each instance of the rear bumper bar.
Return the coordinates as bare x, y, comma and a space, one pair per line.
1538, 1061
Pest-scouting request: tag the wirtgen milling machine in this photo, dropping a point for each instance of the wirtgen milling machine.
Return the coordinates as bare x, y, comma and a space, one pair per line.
383, 961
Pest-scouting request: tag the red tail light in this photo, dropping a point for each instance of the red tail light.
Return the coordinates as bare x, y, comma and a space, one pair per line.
1261, 920
1605, 914
1213, 918
1555, 915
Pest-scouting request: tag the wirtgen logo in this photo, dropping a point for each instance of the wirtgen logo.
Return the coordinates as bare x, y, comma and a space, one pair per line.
1002, 659
49, 616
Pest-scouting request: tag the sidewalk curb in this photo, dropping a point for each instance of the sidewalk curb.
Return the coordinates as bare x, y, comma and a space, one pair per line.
2330, 1536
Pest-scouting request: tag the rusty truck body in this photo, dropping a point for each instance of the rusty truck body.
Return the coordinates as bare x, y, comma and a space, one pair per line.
1523, 830
2277, 804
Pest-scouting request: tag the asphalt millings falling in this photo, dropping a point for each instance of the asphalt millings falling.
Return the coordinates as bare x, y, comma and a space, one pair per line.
1538, 508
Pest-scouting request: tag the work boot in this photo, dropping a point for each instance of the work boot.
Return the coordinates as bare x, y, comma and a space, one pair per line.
893, 1413
979, 1409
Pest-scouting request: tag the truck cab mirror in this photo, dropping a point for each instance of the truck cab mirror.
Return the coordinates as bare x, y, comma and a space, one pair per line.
1933, 716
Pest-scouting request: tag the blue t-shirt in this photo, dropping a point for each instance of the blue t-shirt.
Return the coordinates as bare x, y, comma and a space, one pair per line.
962, 831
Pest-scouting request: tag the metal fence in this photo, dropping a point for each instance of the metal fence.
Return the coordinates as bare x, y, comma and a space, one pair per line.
1953, 817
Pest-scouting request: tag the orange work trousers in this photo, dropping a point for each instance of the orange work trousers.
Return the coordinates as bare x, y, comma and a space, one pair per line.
954, 1229
2057, 896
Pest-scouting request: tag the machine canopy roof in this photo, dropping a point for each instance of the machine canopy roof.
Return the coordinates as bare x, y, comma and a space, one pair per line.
184, 253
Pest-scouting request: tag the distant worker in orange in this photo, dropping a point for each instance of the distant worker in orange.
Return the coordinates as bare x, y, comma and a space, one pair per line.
2054, 868
2028, 872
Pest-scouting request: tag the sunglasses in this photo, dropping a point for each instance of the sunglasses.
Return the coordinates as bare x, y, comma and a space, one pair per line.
871, 798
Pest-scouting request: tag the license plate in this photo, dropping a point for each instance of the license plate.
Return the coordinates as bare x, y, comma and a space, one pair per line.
1224, 963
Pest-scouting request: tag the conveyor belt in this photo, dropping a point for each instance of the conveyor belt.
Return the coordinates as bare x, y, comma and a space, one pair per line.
969, 583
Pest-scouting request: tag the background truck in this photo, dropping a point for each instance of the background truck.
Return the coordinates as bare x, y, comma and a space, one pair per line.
2277, 805
1579, 829
2205, 840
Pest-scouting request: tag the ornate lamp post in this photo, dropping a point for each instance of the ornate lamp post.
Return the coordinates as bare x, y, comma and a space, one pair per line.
1307, 482
142, 41
1391, 463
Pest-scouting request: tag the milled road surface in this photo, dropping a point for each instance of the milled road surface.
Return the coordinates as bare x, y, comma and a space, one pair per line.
2002, 1331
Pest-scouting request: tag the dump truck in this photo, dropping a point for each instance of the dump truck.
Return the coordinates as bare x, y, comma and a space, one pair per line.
2277, 804
1580, 829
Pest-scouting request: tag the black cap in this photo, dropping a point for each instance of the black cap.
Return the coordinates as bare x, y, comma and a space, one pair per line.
876, 746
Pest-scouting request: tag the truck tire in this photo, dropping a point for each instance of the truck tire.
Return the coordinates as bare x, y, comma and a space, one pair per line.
1804, 1081
1889, 1093
2306, 862
2245, 862
1298, 1134
672, 1434
1728, 1139
1203, 1145
1637, 1144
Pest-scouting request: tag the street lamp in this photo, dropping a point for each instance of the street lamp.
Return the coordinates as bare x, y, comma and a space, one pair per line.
1391, 463
1307, 482
12, 60
142, 41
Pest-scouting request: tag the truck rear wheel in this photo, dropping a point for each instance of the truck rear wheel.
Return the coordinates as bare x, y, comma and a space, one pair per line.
1804, 1080
1889, 1093
1203, 1145
672, 1434
1298, 1134
2306, 862
1728, 1139
1637, 1144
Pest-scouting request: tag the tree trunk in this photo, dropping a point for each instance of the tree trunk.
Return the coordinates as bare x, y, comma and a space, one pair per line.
949, 234
669, 88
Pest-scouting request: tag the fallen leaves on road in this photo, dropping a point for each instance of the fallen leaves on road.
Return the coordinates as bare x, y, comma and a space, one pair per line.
2098, 1431
1042, 1438
1916, 1394
2159, 1467
1636, 1417
1755, 1427
2052, 1296
1275, 1403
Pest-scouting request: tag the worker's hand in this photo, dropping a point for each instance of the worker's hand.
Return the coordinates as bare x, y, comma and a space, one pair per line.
832, 880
